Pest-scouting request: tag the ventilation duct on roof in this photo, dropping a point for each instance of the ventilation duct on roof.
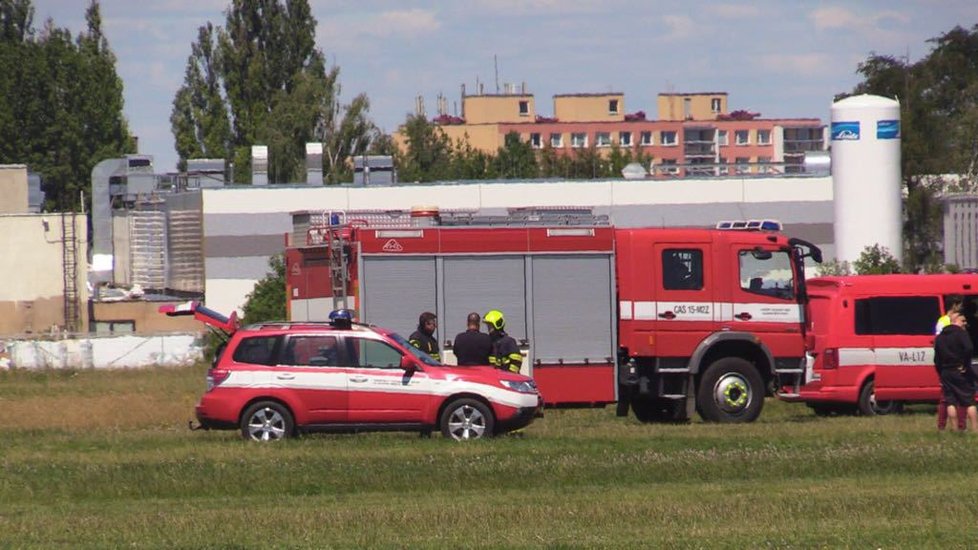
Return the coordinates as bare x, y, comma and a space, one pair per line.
314, 163
259, 165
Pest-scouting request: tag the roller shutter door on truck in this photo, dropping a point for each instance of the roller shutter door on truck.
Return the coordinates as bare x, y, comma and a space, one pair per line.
572, 306
480, 284
396, 290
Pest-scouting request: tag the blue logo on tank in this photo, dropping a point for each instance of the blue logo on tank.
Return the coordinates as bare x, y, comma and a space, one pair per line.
845, 131
887, 129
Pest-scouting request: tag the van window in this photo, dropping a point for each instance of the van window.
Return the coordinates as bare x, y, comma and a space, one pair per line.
766, 272
259, 350
910, 315
682, 269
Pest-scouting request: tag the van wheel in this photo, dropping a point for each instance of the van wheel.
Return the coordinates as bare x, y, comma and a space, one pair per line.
731, 390
267, 421
869, 406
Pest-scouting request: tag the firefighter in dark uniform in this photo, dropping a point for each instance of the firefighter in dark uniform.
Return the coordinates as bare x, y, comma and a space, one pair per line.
472, 347
424, 337
505, 352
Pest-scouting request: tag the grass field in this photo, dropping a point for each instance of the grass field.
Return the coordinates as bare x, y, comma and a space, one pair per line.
104, 459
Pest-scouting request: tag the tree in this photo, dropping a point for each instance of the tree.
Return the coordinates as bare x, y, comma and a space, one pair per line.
429, 151
939, 131
260, 79
62, 99
266, 302
515, 159
876, 260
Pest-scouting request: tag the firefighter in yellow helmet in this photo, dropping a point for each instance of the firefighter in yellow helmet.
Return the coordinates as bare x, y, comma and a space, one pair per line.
505, 352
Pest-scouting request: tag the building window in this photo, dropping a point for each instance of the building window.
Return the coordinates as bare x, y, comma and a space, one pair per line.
715, 104
535, 140
668, 166
602, 139
764, 165
524, 108
625, 139
556, 140
742, 137
667, 138
743, 165
723, 170
579, 139
688, 108
645, 138
764, 137
722, 138
612, 106
115, 327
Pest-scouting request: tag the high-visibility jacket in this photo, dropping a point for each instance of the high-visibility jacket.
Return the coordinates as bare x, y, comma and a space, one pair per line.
505, 352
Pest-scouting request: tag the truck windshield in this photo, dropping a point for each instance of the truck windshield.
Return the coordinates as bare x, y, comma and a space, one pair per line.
422, 356
768, 273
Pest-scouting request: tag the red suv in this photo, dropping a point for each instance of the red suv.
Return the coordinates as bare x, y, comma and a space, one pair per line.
273, 380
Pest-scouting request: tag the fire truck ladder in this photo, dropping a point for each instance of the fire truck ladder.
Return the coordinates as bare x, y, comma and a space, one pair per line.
339, 277
69, 258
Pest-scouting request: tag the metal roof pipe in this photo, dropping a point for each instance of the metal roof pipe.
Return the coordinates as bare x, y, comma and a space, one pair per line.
314, 163
259, 165
102, 249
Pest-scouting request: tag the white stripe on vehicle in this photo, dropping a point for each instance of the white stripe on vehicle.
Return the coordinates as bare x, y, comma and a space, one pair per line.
896, 357
395, 383
713, 311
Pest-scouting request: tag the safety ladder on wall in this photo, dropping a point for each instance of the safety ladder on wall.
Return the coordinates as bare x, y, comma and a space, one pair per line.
69, 258
336, 255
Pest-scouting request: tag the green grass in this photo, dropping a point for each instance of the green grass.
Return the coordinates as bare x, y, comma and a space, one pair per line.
104, 459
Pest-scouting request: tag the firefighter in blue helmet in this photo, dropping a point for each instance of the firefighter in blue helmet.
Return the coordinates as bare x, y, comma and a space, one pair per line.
424, 337
505, 352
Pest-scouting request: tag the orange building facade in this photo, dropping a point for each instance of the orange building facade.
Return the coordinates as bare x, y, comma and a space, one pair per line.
693, 135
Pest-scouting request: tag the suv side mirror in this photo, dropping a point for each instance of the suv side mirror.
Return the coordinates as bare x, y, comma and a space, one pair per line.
408, 364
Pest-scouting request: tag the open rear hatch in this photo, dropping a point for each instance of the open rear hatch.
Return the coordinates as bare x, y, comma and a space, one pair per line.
214, 320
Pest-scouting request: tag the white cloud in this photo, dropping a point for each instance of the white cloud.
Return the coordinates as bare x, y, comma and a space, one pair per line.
523, 7
680, 26
806, 64
405, 23
836, 17
736, 11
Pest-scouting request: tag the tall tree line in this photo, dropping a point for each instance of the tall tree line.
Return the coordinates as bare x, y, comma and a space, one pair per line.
60, 101
260, 79
430, 155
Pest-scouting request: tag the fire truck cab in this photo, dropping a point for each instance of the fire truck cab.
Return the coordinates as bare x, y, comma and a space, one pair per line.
664, 322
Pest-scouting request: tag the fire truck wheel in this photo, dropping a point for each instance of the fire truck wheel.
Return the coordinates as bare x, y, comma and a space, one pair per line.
267, 421
869, 406
465, 419
659, 410
731, 390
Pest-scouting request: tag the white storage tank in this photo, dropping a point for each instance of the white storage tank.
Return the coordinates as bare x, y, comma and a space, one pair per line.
866, 176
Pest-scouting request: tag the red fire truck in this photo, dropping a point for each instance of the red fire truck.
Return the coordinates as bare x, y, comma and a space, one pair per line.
665, 321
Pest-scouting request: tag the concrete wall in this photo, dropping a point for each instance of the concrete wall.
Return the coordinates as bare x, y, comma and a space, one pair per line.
491, 109
589, 108
244, 226
110, 352
13, 189
673, 106
32, 272
144, 315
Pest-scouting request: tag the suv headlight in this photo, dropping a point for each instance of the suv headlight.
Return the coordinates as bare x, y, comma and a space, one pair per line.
522, 386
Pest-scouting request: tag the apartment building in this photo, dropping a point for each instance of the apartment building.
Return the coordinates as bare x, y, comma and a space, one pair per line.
694, 134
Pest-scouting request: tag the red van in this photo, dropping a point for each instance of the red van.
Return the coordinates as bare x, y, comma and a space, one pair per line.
871, 339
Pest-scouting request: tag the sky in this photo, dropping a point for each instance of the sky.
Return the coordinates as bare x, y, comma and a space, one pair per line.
779, 58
